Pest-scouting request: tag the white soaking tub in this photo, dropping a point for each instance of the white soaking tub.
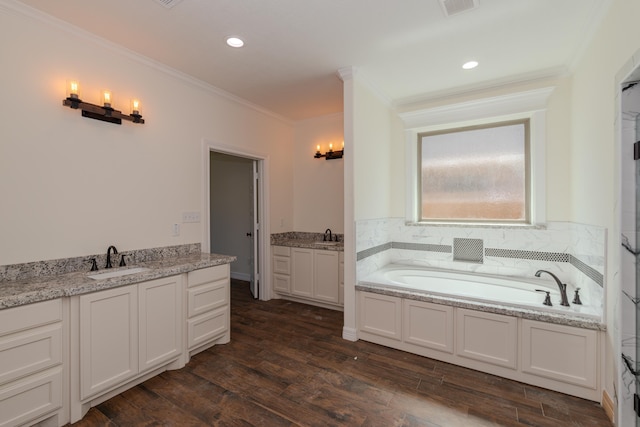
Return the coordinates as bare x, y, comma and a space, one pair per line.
506, 291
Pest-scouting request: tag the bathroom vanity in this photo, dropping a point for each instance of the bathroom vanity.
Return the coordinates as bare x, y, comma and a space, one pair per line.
309, 270
69, 342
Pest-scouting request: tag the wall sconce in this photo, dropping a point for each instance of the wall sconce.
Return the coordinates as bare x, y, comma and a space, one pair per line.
105, 112
329, 155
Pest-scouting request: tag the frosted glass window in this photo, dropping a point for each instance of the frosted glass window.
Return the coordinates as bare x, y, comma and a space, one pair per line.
475, 174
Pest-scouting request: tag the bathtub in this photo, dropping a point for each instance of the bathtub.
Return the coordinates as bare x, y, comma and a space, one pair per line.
503, 291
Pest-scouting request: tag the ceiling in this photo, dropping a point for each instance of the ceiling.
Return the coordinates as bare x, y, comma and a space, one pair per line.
407, 49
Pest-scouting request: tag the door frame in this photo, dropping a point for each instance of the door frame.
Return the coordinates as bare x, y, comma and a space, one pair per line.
264, 240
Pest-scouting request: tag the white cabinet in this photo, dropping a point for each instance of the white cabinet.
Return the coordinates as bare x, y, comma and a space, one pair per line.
557, 357
302, 272
326, 281
208, 307
428, 325
281, 265
380, 315
487, 337
341, 279
317, 276
558, 352
108, 339
127, 331
160, 322
31, 362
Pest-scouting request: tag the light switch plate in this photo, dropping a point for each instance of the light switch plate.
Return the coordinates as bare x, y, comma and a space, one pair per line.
190, 216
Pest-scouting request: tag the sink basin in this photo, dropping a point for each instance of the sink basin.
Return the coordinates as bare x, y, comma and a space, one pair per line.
118, 273
327, 243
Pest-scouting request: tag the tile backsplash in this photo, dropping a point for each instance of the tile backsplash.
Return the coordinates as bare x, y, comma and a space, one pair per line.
575, 252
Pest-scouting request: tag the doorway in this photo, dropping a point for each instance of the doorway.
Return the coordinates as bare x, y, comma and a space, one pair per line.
234, 205
231, 211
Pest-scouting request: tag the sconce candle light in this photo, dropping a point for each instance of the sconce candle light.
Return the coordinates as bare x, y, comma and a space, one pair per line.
106, 112
329, 155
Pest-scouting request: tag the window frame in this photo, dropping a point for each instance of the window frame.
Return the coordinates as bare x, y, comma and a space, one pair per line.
530, 104
526, 121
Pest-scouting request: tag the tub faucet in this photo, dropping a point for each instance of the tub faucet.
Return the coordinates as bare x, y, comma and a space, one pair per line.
561, 286
324, 239
115, 251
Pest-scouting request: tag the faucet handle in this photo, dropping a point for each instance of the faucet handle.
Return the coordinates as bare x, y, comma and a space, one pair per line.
576, 298
122, 263
547, 299
94, 265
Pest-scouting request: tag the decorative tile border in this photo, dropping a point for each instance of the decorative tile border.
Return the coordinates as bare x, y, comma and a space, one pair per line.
587, 270
372, 251
531, 255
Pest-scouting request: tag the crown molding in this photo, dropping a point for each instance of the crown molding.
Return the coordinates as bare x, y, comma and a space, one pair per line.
515, 103
21, 9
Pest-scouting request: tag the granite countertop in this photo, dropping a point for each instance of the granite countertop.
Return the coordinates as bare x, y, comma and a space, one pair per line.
557, 318
310, 244
14, 293
295, 239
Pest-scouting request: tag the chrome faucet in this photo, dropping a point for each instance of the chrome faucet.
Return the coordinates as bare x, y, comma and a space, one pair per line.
115, 251
324, 239
561, 286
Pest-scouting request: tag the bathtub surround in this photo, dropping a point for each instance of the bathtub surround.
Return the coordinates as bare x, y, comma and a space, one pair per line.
575, 252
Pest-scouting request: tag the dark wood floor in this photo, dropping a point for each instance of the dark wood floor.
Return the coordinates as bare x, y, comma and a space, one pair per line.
287, 365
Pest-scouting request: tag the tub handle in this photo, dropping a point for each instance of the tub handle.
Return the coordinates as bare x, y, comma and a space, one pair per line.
576, 298
547, 299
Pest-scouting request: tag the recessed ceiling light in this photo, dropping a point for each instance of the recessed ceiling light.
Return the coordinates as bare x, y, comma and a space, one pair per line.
469, 65
235, 42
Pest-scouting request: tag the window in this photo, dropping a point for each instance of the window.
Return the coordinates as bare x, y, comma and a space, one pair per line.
475, 174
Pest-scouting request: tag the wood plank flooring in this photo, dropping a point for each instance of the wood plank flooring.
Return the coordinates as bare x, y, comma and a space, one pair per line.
287, 365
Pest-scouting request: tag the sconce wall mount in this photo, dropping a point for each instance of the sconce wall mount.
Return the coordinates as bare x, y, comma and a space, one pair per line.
329, 155
104, 113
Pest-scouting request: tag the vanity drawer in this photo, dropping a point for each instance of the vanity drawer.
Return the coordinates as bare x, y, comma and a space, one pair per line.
207, 297
281, 264
205, 275
30, 351
30, 398
207, 327
31, 315
281, 250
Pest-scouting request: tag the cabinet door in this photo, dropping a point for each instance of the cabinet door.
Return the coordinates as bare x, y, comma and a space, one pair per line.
380, 315
160, 317
559, 352
108, 339
428, 325
302, 272
326, 281
341, 278
487, 337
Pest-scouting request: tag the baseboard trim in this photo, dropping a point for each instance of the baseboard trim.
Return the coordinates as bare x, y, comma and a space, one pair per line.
349, 334
241, 276
608, 405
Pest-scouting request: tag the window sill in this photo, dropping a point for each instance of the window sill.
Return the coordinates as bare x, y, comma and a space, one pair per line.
495, 225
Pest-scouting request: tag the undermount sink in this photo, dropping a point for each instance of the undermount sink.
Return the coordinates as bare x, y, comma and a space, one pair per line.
327, 243
118, 273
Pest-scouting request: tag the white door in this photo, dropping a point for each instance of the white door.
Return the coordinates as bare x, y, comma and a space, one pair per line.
255, 236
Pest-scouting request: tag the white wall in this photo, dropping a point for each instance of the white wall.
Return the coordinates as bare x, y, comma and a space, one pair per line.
318, 188
72, 186
372, 127
595, 152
